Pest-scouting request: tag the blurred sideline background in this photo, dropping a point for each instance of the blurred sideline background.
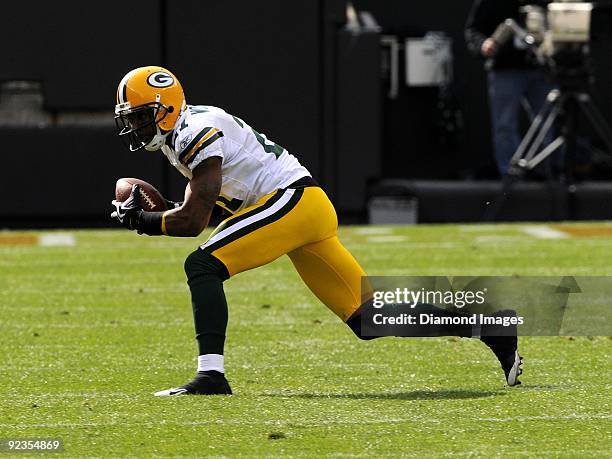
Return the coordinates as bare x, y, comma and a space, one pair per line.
332, 93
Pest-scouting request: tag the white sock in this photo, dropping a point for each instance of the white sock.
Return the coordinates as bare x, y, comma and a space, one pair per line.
209, 362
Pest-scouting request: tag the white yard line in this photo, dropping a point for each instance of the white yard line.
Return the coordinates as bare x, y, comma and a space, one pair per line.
386, 239
432, 245
406, 244
56, 240
544, 232
493, 239
372, 230
478, 228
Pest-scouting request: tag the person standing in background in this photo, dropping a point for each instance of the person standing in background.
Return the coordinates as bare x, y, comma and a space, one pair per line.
512, 76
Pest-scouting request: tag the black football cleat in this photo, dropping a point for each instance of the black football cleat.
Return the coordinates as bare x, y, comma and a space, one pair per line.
504, 344
205, 383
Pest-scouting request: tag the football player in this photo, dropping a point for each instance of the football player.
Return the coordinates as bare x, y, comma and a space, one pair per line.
276, 209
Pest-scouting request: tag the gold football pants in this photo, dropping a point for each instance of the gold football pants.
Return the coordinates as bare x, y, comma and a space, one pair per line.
301, 223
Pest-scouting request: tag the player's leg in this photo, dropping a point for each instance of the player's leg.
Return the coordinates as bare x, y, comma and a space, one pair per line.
277, 224
337, 279
331, 272
231, 242
205, 275
289, 219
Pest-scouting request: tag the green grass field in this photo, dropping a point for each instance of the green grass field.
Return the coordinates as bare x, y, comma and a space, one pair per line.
89, 332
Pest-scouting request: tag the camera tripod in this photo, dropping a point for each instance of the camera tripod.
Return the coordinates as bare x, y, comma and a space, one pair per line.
565, 103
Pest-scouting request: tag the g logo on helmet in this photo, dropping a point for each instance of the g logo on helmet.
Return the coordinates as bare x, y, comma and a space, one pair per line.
160, 80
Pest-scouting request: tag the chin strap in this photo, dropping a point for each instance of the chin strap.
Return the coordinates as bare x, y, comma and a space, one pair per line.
158, 140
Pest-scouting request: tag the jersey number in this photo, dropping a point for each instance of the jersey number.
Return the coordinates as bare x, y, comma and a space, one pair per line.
268, 146
195, 110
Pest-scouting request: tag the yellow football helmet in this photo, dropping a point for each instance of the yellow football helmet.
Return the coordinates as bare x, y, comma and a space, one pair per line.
150, 100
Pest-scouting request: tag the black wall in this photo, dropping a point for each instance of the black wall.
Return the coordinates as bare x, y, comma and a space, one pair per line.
263, 61
286, 67
79, 50
258, 60
410, 119
68, 172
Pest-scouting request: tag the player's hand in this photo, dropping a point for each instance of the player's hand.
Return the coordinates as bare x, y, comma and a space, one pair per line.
128, 211
489, 48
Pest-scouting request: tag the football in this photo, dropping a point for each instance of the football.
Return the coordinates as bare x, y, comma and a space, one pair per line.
150, 199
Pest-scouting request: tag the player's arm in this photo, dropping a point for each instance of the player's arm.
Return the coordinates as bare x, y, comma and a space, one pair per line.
201, 193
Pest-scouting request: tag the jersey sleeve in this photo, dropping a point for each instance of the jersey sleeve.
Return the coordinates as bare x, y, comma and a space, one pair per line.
196, 148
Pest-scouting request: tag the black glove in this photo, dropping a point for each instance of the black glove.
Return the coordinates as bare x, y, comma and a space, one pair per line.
128, 212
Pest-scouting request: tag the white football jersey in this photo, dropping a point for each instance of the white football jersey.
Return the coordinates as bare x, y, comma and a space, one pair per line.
252, 165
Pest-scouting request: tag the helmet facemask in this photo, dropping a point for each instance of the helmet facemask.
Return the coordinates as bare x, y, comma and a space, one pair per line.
139, 127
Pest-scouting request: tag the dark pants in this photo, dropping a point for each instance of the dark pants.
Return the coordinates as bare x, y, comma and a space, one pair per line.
507, 88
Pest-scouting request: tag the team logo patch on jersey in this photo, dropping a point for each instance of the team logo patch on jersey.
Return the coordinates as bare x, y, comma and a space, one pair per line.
185, 142
160, 80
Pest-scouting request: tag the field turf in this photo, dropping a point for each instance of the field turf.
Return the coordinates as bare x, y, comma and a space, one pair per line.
88, 332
